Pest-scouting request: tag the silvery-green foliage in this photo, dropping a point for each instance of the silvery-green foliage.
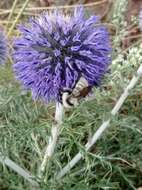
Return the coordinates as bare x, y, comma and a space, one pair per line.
118, 12
125, 65
118, 19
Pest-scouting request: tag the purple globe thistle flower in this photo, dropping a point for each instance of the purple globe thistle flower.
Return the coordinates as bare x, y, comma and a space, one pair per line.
3, 48
140, 20
55, 50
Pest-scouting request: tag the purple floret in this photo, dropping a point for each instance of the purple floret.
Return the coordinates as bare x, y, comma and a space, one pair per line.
3, 48
55, 50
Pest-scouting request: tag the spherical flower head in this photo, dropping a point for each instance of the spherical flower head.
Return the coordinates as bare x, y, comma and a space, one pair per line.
3, 48
55, 50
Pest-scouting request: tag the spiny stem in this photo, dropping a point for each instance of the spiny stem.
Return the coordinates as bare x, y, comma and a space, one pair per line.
53, 138
104, 125
18, 16
6, 161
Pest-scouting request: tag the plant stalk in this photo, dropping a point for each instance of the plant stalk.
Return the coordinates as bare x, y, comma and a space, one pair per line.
104, 125
17, 18
53, 138
12, 11
15, 167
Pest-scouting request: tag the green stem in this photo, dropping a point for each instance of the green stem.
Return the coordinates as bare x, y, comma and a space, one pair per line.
12, 11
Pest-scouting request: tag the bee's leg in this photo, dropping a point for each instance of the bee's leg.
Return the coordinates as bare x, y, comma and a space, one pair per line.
74, 101
65, 100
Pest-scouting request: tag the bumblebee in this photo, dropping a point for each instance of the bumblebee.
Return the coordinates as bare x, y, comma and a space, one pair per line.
72, 98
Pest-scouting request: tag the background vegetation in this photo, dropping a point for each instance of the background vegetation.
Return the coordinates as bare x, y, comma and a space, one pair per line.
115, 162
